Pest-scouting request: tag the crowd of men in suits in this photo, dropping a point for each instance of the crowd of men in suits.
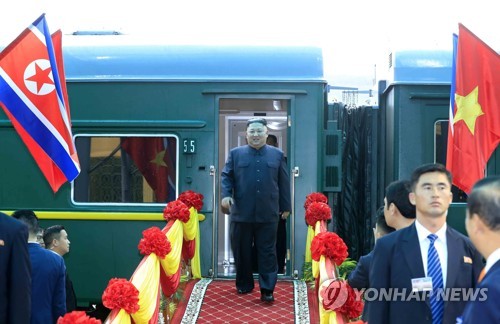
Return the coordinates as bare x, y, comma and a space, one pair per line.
422, 260
34, 286
425, 271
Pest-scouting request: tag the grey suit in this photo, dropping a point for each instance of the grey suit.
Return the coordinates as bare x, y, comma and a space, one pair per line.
259, 183
397, 259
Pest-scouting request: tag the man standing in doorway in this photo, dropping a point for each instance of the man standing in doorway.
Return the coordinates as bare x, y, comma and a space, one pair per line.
281, 235
255, 187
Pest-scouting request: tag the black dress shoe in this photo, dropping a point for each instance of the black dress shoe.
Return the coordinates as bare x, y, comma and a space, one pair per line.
244, 291
267, 297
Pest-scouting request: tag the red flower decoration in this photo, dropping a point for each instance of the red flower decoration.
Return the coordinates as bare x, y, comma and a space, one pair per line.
329, 245
121, 294
341, 298
154, 241
192, 199
317, 211
315, 197
77, 317
176, 210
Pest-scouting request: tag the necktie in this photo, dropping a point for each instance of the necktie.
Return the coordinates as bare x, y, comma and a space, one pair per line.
434, 271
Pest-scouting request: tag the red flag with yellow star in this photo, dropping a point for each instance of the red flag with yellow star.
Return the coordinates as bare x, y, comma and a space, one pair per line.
155, 158
475, 122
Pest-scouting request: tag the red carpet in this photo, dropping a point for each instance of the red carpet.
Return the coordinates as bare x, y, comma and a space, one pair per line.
216, 301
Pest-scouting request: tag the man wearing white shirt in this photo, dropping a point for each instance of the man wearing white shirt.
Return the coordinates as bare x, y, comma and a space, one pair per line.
416, 264
483, 226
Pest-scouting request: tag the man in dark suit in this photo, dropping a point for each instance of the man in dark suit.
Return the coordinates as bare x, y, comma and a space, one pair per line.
15, 272
255, 187
358, 278
48, 296
56, 240
416, 265
483, 226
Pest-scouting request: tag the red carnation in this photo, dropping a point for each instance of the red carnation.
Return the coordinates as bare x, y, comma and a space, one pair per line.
154, 241
176, 210
192, 199
315, 197
77, 317
329, 245
318, 211
341, 298
121, 294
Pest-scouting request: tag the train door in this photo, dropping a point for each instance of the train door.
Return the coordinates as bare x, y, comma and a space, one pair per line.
233, 115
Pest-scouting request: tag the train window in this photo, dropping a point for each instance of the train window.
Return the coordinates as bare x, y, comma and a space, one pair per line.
126, 169
440, 147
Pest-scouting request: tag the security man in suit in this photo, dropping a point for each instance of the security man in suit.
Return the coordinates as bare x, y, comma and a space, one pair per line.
255, 187
483, 226
56, 240
416, 266
48, 294
15, 272
358, 278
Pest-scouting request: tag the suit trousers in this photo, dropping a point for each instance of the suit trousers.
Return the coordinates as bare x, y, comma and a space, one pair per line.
263, 235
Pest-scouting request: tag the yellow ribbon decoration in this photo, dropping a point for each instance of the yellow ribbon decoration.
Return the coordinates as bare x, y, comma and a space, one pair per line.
121, 318
147, 280
195, 262
310, 236
170, 263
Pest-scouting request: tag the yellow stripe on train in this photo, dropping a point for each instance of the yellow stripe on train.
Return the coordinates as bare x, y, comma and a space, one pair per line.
92, 215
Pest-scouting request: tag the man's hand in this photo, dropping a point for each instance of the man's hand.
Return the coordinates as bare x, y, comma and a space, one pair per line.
227, 202
285, 214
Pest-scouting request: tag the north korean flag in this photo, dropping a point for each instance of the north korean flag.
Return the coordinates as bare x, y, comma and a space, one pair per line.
35, 100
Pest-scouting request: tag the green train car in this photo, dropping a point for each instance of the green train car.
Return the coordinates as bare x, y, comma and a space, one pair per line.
151, 121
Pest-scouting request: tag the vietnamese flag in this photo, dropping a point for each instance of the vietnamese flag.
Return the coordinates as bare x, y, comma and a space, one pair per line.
475, 118
155, 159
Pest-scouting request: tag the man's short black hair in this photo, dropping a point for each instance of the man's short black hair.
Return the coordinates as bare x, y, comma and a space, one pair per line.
51, 233
428, 168
397, 193
29, 218
257, 120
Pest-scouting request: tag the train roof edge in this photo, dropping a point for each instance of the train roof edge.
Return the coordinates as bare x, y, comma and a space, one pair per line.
420, 67
115, 58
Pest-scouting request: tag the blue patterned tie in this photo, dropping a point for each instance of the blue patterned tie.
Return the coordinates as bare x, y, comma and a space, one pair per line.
434, 271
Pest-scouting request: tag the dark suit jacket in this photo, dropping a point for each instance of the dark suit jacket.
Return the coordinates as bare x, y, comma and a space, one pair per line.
259, 183
48, 289
359, 277
397, 260
15, 272
70, 295
485, 310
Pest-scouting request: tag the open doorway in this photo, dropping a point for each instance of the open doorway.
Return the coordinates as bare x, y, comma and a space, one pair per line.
233, 115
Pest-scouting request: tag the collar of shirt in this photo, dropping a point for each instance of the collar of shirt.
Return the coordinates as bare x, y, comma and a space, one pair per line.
492, 259
258, 151
439, 244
